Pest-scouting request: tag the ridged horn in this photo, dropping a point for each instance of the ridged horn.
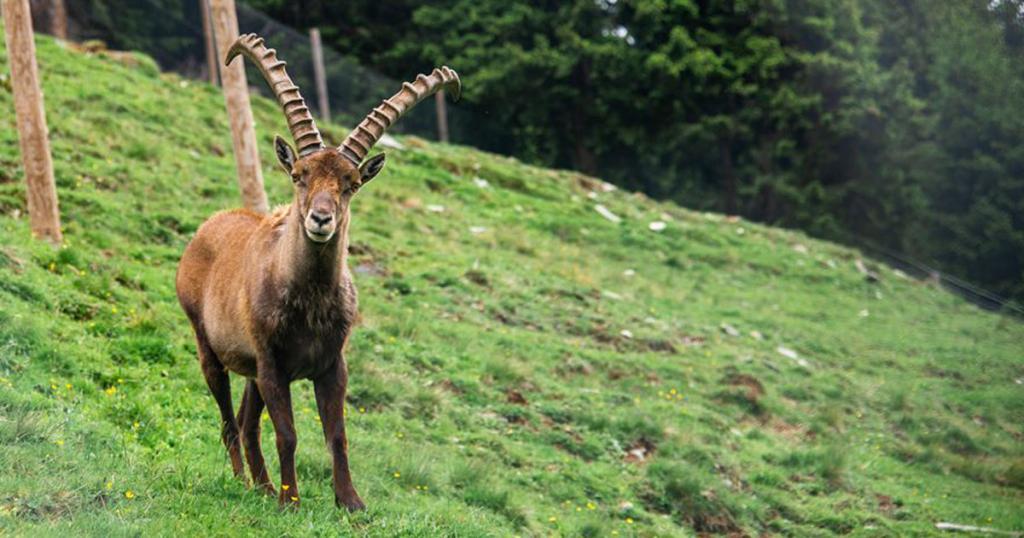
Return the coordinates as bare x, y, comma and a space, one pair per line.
359, 142
300, 121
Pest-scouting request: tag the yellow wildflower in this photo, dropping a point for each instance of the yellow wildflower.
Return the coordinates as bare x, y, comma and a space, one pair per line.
397, 474
129, 494
294, 498
285, 487
111, 390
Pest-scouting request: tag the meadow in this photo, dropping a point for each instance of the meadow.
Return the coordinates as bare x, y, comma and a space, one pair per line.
540, 354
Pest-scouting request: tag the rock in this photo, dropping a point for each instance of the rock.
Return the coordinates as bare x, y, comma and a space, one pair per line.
799, 248
477, 230
729, 329
756, 335
789, 353
481, 182
390, 142
629, 273
604, 212
434, 208
870, 275
656, 226
626, 333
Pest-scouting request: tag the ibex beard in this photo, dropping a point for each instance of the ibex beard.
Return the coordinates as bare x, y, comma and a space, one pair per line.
271, 298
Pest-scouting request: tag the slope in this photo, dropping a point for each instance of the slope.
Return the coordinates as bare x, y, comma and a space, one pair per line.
525, 365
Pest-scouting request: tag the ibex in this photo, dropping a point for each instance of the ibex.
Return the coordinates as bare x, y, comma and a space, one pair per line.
271, 298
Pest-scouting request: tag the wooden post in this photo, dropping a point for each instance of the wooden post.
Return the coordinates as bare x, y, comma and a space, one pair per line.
43, 212
58, 20
319, 74
236, 97
211, 48
442, 116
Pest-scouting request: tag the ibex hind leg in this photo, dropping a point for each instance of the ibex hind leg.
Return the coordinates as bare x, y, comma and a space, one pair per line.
220, 386
249, 418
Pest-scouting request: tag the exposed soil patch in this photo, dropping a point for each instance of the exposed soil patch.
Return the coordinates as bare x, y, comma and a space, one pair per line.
641, 451
754, 388
478, 278
515, 397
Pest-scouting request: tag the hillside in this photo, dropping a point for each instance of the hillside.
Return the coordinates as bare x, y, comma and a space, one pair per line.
525, 366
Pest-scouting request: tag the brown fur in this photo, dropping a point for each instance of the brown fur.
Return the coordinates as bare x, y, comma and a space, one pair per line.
269, 303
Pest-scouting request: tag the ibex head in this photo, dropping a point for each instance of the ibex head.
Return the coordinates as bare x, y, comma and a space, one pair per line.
326, 178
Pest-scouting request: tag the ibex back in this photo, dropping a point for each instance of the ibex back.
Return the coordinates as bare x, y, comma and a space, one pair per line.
270, 297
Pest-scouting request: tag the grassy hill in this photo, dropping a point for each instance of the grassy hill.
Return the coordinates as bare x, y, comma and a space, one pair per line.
525, 366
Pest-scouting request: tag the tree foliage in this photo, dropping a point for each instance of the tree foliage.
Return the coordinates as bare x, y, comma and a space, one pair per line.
876, 122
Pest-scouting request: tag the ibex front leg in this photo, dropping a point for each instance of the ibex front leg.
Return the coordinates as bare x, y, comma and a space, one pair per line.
330, 400
273, 386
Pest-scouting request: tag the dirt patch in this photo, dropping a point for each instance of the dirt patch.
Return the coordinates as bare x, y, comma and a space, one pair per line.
478, 278
886, 504
641, 451
754, 388
515, 397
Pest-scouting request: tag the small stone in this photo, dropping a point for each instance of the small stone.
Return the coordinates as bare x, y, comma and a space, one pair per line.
656, 226
786, 352
626, 333
799, 248
434, 208
629, 273
604, 212
481, 182
730, 330
756, 335
390, 142
477, 229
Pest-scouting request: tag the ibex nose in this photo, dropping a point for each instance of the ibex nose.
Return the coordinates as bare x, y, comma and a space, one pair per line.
321, 219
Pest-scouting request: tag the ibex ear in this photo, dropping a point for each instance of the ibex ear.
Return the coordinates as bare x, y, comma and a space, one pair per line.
371, 167
285, 154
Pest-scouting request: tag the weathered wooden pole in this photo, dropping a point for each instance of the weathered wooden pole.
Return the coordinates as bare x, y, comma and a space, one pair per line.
211, 47
236, 97
319, 74
442, 116
43, 212
58, 20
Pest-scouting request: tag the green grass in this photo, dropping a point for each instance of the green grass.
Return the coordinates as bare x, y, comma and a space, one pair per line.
493, 391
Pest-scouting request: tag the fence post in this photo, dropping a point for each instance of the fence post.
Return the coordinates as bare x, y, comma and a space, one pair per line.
442, 116
236, 98
319, 74
58, 20
211, 47
43, 212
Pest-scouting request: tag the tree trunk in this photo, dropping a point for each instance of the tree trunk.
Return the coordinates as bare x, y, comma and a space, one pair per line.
730, 185
212, 67
236, 97
44, 215
319, 74
441, 106
583, 157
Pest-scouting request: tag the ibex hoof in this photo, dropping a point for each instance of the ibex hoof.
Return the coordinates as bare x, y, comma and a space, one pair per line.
354, 504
